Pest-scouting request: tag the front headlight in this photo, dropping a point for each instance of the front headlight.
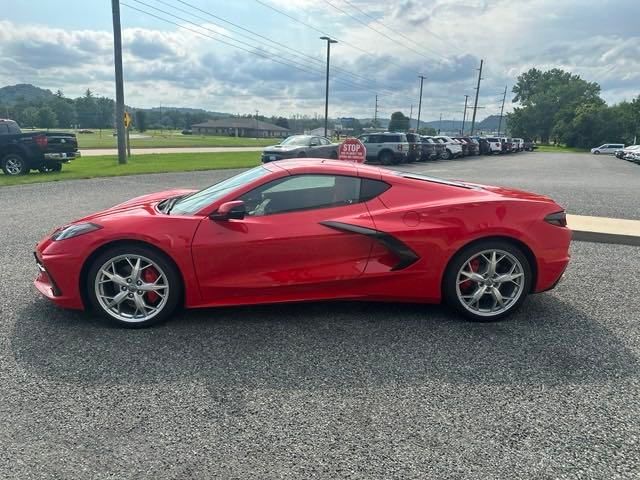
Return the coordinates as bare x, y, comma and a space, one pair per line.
74, 230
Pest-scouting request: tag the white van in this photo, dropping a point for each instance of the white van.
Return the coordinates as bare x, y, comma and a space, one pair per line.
607, 148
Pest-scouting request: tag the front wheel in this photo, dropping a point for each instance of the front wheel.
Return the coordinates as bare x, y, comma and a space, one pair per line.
446, 155
133, 286
386, 158
597, 152
13, 164
487, 281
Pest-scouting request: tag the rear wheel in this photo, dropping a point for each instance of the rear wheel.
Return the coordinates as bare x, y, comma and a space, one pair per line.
334, 155
488, 280
446, 155
597, 152
13, 164
386, 157
133, 286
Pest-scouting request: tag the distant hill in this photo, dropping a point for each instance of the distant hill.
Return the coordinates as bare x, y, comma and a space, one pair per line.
193, 111
9, 95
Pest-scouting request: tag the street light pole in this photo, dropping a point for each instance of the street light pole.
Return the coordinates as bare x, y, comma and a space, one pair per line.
117, 57
326, 90
464, 115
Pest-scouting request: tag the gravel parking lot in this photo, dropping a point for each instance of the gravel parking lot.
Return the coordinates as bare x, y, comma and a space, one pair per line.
329, 390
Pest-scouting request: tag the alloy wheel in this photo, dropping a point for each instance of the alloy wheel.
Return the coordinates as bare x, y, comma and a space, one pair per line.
131, 288
13, 166
490, 282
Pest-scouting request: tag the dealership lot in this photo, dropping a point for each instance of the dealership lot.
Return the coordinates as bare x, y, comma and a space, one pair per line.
347, 390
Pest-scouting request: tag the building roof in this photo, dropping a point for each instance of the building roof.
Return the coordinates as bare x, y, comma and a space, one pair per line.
242, 122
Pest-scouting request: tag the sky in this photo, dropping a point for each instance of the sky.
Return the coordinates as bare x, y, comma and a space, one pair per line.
242, 56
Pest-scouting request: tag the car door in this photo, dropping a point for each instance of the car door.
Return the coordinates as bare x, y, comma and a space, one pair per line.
281, 247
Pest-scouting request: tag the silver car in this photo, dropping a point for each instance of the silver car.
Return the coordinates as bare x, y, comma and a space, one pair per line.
300, 146
607, 148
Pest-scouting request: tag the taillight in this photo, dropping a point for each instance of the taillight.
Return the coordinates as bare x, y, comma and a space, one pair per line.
41, 140
558, 218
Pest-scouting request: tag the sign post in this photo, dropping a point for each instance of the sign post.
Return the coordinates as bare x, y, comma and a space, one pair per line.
127, 124
352, 150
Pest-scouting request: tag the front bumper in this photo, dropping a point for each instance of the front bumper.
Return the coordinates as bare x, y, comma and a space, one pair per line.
58, 279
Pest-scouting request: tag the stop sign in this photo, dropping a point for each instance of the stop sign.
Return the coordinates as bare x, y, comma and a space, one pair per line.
353, 150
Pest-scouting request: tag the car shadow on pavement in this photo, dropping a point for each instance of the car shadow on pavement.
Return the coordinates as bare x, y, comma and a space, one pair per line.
324, 346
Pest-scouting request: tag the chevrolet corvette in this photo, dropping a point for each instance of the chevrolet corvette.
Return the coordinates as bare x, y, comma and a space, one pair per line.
309, 230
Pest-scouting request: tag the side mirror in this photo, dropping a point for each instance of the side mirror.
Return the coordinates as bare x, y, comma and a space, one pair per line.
230, 211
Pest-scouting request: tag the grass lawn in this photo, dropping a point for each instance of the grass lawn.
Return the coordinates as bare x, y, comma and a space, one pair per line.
166, 138
107, 166
560, 149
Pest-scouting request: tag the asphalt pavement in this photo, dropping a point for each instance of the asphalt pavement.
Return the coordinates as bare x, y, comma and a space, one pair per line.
329, 390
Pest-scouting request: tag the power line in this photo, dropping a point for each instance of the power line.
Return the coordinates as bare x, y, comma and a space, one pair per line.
281, 46
257, 51
398, 32
382, 33
355, 47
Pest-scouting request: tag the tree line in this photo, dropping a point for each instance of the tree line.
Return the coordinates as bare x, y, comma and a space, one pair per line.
560, 107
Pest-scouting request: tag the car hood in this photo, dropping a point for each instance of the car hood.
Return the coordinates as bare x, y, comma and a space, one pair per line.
137, 202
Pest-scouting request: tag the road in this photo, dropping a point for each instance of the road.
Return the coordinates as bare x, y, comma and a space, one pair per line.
328, 390
94, 152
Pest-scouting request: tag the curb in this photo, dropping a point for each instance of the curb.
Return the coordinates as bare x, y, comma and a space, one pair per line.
604, 230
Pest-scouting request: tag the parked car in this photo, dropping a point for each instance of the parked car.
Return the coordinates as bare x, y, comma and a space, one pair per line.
465, 146
453, 148
431, 149
309, 230
507, 145
85, 130
529, 145
609, 148
187, 131
386, 148
473, 147
633, 156
622, 152
301, 146
495, 145
518, 144
415, 146
483, 145
44, 151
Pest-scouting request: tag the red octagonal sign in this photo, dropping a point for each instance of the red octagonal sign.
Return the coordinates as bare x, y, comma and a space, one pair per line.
352, 150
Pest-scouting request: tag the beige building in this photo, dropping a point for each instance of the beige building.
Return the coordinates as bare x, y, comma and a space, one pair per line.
239, 127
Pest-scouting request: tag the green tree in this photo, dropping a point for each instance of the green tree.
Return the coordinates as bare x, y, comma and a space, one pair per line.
65, 111
399, 122
141, 120
282, 122
86, 110
46, 117
549, 98
28, 117
430, 131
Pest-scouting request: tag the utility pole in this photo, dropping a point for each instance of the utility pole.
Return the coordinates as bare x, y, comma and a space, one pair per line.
421, 77
475, 105
257, 112
464, 115
440, 124
326, 90
117, 57
375, 114
411, 115
504, 97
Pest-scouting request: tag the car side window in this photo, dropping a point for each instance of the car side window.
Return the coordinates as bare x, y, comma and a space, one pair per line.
314, 142
324, 141
4, 129
302, 192
370, 188
364, 138
13, 128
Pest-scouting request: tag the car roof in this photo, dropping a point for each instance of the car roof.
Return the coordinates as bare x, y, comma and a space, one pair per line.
324, 165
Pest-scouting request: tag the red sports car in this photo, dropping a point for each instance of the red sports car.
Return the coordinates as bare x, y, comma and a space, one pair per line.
309, 230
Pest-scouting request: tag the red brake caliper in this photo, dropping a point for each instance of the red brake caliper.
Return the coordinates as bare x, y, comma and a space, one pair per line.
150, 275
466, 285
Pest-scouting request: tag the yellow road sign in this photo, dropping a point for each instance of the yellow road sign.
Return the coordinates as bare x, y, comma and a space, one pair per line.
127, 119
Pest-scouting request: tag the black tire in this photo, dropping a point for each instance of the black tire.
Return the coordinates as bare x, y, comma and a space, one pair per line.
334, 155
14, 164
386, 157
449, 283
447, 155
597, 152
174, 282
55, 167
302, 155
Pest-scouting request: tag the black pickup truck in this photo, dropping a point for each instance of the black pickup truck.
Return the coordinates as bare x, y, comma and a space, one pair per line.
44, 151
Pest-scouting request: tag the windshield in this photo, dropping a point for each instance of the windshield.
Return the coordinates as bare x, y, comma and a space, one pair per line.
297, 140
193, 203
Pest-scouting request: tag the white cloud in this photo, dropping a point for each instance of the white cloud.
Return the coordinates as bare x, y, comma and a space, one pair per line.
179, 67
